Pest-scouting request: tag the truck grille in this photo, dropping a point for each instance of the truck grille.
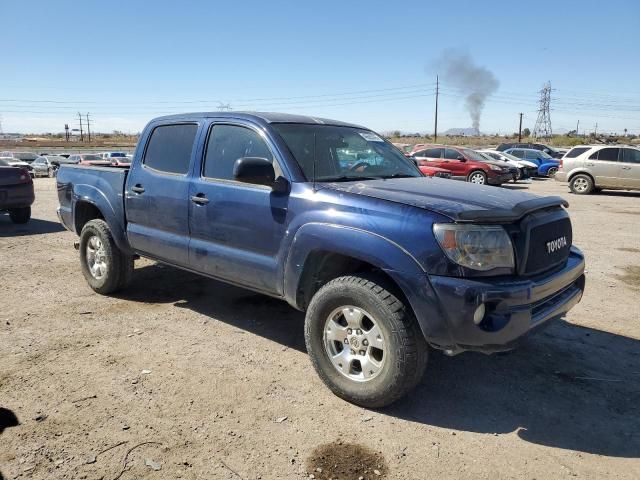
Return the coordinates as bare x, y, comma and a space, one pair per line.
549, 245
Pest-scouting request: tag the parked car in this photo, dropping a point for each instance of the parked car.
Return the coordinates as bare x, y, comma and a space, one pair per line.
404, 147
527, 169
110, 155
383, 260
547, 166
46, 165
14, 162
464, 164
120, 161
89, 159
590, 168
514, 171
26, 157
16, 192
552, 152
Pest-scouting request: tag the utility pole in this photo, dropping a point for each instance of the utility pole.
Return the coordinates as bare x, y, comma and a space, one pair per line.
435, 127
577, 126
520, 129
66, 132
88, 128
81, 133
595, 130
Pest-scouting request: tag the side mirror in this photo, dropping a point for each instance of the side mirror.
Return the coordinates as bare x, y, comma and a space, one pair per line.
461, 158
255, 170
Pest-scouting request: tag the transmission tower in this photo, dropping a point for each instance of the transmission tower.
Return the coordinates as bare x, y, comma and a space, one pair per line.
543, 123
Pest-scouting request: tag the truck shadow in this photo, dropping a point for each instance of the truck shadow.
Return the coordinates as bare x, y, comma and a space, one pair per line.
35, 226
568, 387
7, 419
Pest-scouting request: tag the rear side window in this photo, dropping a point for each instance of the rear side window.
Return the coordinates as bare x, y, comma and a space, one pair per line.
228, 143
433, 152
517, 153
629, 155
574, 152
170, 146
606, 154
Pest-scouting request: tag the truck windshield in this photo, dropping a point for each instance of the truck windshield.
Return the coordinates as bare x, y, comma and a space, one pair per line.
343, 153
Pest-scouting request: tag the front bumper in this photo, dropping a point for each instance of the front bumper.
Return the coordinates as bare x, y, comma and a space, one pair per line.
499, 178
514, 306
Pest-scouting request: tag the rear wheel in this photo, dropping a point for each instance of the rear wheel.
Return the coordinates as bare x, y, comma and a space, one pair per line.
50, 172
20, 215
581, 185
478, 177
105, 267
364, 343
552, 172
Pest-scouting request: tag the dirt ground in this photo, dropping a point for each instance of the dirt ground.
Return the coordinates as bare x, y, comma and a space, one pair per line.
183, 377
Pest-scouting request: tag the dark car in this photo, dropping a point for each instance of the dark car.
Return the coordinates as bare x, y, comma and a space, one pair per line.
464, 164
536, 146
16, 192
384, 261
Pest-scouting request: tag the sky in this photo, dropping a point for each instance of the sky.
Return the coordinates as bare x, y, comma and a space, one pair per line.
368, 62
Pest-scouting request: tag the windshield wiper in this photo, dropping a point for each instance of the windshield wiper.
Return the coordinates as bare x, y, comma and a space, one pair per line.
346, 178
398, 175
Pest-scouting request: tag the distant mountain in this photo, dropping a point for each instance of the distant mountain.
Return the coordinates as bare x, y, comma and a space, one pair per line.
464, 132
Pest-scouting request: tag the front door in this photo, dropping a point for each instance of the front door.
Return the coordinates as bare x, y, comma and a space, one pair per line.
605, 167
157, 195
236, 228
630, 168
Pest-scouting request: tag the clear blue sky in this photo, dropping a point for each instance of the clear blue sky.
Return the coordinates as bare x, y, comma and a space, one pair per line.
367, 62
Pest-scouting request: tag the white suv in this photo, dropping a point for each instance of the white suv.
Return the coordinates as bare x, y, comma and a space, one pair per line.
590, 168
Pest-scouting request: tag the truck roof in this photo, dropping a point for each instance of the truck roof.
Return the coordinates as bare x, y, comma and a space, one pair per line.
260, 117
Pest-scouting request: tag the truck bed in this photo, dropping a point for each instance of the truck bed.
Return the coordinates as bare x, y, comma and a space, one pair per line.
101, 186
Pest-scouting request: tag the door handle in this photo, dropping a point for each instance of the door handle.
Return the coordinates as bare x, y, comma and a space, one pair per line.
200, 199
590, 164
137, 188
626, 168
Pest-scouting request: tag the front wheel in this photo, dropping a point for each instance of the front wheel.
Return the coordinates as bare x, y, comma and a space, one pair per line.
20, 215
364, 343
50, 172
105, 267
477, 177
552, 172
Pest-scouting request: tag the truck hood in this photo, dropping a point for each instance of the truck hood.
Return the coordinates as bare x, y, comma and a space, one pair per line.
460, 201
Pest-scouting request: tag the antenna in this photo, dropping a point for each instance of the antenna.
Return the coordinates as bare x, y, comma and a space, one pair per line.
314, 162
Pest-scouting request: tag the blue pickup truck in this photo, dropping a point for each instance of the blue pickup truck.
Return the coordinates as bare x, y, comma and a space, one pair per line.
336, 221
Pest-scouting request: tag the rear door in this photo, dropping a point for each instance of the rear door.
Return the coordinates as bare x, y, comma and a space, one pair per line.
603, 164
431, 155
630, 168
157, 194
453, 163
236, 227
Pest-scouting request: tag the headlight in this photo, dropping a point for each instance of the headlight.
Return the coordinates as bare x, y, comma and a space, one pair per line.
479, 247
495, 167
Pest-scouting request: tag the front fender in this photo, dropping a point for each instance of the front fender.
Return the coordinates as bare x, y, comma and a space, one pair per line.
112, 214
376, 250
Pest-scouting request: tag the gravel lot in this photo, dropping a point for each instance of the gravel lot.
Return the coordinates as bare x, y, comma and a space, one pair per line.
217, 382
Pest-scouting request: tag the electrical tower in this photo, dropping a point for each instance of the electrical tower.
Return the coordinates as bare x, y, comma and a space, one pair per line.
543, 123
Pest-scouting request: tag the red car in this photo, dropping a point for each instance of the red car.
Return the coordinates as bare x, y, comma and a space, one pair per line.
463, 163
434, 171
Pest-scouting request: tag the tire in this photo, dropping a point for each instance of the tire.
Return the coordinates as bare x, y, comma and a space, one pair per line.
20, 215
478, 177
581, 184
105, 267
50, 173
552, 172
399, 364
